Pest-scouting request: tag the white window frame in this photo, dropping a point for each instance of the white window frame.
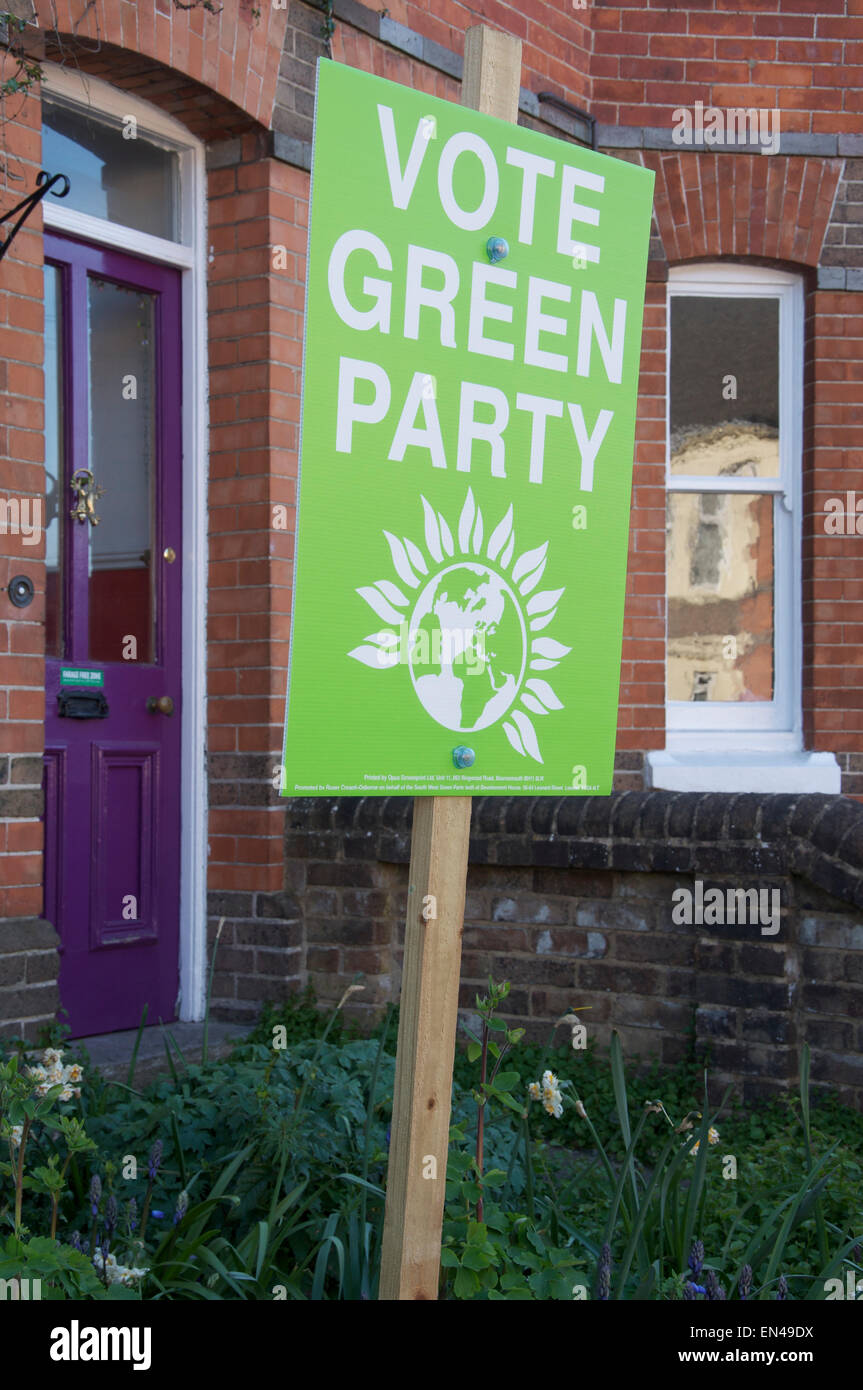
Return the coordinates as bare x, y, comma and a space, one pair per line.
752, 745
189, 255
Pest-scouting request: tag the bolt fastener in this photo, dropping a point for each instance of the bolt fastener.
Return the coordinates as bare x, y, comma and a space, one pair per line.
463, 757
497, 249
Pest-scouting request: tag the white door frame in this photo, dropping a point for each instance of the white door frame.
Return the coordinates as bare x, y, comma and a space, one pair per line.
105, 102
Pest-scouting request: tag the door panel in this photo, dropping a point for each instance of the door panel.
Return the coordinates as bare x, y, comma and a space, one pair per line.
114, 627
124, 787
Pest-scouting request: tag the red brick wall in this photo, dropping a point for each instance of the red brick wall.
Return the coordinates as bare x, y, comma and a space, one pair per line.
22, 475
833, 564
255, 330
802, 56
360, 51
641, 717
556, 37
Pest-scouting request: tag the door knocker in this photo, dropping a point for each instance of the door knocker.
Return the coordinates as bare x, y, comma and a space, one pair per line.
87, 490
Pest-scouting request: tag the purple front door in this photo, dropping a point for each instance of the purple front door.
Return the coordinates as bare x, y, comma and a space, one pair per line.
113, 632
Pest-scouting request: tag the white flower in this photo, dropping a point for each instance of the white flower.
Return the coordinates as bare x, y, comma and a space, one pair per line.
548, 1092
15, 1136
712, 1138
51, 1072
552, 1103
117, 1273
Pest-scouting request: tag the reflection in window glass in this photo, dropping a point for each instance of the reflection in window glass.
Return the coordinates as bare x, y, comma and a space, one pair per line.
130, 181
121, 326
720, 596
55, 492
724, 387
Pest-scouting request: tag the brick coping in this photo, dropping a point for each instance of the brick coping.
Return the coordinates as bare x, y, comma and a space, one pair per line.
818, 837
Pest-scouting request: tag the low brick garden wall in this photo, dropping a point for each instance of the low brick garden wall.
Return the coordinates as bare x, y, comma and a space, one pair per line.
572, 901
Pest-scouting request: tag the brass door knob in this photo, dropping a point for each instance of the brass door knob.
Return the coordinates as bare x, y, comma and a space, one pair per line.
161, 705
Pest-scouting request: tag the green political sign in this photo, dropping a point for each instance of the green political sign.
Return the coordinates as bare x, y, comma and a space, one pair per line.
473, 330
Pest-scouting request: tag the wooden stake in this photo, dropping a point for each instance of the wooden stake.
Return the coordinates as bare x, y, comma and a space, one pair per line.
419, 1138
492, 72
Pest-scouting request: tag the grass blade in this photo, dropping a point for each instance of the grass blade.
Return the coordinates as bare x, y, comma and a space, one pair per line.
130, 1075
206, 1037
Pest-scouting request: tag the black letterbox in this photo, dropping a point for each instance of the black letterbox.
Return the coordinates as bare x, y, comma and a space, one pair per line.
82, 704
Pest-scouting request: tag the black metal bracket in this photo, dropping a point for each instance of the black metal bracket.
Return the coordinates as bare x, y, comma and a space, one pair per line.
44, 184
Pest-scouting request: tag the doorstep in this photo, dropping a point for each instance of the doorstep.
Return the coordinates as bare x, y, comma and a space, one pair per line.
112, 1052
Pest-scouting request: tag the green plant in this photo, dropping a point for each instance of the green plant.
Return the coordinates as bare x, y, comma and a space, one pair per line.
207, 5
328, 28
27, 71
263, 1175
498, 1085
29, 1100
654, 1216
61, 1270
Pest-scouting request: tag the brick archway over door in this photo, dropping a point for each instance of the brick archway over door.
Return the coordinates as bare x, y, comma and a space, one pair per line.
236, 56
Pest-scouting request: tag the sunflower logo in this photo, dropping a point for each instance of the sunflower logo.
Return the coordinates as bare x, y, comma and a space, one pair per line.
463, 622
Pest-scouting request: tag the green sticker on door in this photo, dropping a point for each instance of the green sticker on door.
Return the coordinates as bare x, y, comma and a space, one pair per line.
473, 332
75, 675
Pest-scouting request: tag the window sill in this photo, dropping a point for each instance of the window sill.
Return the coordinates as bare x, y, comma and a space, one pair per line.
743, 772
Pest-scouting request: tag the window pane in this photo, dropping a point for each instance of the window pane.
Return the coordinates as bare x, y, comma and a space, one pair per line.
121, 325
55, 491
724, 387
131, 181
720, 596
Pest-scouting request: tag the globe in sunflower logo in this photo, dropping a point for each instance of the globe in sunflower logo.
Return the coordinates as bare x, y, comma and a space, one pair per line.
464, 620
